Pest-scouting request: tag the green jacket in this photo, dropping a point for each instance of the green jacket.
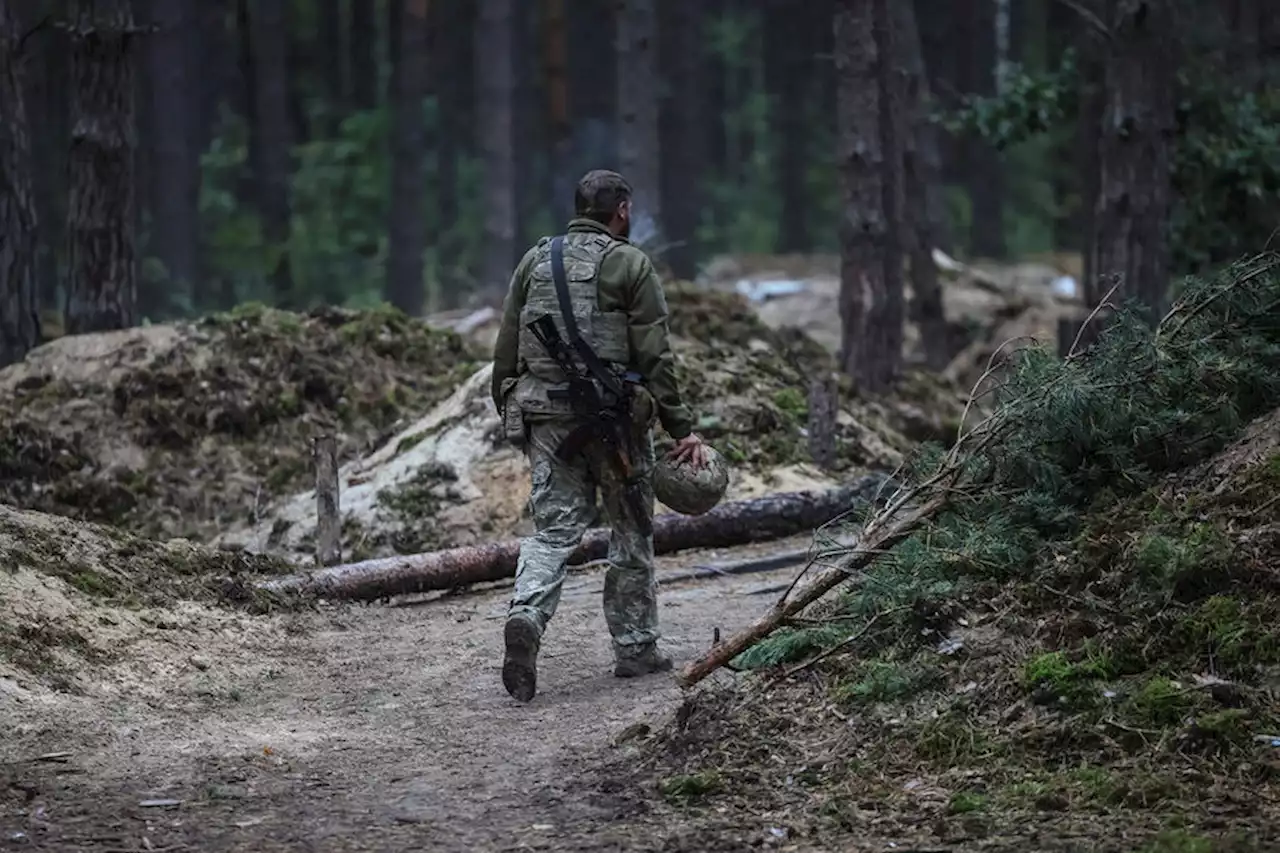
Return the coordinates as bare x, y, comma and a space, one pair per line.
627, 282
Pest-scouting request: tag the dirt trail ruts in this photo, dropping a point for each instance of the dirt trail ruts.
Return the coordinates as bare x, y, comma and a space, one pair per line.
373, 728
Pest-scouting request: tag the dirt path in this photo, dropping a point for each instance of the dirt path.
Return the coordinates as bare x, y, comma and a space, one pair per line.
368, 728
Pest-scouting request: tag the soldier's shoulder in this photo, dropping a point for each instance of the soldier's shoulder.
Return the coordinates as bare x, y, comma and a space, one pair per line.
629, 254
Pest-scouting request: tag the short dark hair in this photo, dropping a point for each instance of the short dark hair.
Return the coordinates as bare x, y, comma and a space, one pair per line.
599, 193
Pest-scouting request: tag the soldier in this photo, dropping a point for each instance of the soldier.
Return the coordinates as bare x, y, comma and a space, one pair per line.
619, 312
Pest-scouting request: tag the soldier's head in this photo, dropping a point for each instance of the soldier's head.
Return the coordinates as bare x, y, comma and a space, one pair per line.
605, 197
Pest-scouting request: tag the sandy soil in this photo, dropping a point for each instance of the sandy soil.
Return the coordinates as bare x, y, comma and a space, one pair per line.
364, 728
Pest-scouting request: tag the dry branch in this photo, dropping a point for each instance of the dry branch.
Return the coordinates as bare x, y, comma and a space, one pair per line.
758, 520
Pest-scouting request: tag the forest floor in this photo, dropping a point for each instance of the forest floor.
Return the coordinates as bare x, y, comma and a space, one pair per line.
355, 728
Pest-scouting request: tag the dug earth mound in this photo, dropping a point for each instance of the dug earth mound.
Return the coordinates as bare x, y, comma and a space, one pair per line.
449, 478
203, 430
187, 429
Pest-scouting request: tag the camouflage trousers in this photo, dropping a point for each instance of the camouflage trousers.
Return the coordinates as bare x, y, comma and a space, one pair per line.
563, 503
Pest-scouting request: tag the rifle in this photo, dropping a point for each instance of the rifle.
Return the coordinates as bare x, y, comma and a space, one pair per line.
606, 414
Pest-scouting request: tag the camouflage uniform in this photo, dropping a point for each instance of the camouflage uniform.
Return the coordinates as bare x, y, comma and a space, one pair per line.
622, 312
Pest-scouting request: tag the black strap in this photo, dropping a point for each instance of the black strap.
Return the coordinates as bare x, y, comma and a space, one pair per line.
589, 358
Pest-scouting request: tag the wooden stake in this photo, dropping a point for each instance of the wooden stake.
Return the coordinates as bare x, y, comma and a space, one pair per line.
324, 451
823, 410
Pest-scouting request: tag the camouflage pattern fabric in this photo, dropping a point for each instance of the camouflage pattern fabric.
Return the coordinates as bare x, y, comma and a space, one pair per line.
563, 505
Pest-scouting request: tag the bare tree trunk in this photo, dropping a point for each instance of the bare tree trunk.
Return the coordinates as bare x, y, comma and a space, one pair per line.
454, 74
331, 53
174, 165
637, 56
922, 181
870, 258
984, 171
270, 134
48, 106
1138, 124
407, 229
555, 61
364, 63
494, 109
789, 67
683, 128
19, 316
102, 287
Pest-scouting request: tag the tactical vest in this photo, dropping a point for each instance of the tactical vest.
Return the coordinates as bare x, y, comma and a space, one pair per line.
604, 331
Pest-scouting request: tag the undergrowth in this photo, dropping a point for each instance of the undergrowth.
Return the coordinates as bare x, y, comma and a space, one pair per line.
1090, 622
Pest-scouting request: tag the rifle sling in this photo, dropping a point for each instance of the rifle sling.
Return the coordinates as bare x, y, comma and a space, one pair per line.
597, 368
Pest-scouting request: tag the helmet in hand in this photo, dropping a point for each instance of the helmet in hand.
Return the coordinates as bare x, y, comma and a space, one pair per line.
689, 490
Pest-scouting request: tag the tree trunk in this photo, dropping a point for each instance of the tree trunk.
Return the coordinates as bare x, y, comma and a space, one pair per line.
102, 288
922, 185
48, 106
494, 107
555, 42
592, 95
983, 169
758, 520
19, 317
331, 52
407, 228
174, 164
683, 128
870, 258
1138, 124
364, 53
453, 72
270, 136
789, 67
638, 157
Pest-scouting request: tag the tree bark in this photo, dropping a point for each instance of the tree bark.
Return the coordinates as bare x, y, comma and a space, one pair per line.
758, 520
683, 129
174, 164
48, 106
270, 136
555, 63
407, 228
1138, 124
922, 191
984, 170
102, 286
494, 108
19, 304
331, 53
870, 257
790, 46
364, 63
638, 157
453, 72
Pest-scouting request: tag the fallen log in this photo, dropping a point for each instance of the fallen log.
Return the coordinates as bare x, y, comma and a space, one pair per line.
739, 523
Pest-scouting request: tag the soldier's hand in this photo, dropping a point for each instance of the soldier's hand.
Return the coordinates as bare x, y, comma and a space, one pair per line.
689, 449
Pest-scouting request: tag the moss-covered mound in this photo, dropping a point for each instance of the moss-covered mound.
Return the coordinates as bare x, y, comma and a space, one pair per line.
1080, 652
749, 385
180, 430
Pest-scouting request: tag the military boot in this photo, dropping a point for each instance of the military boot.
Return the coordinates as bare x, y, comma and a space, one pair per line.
642, 660
520, 666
